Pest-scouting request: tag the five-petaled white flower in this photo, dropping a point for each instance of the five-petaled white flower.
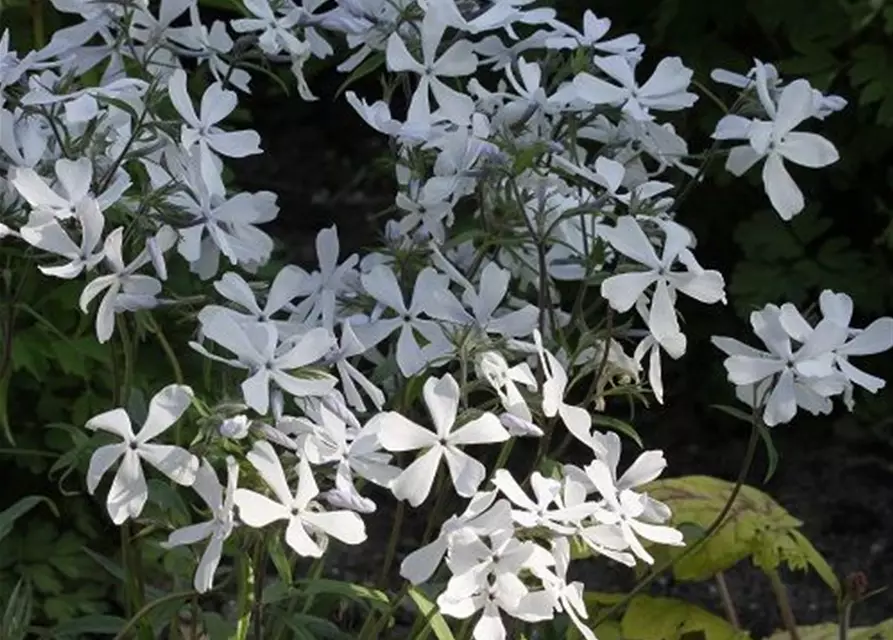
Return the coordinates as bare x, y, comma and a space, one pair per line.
129, 492
776, 141
398, 433
45, 232
124, 288
201, 129
218, 528
300, 510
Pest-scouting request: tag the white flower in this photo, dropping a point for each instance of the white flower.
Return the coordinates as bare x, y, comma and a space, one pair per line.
358, 453
218, 528
124, 288
484, 304
235, 428
381, 283
73, 177
304, 516
622, 291
838, 308
483, 516
664, 91
633, 512
398, 433
276, 30
202, 130
458, 60
257, 349
776, 141
594, 30
485, 578
566, 596
326, 284
129, 492
492, 367
547, 509
44, 232
576, 419
808, 369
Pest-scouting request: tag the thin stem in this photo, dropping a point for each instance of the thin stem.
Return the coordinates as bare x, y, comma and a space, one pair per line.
394, 538
725, 596
843, 626
168, 350
260, 572
784, 603
713, 528
245, 601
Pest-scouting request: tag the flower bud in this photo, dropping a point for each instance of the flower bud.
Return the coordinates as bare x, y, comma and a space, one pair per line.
235, 428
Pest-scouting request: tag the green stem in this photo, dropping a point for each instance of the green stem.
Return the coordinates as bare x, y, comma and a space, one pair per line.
260, 572
168, 350
843, 627
784, 603
394, 538
137, 618
728, 604
245, 602
713, 528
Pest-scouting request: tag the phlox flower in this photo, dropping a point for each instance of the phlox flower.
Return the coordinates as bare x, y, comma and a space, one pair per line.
43, 231
776, 141
398, 433
124, 288
128, 493
299, 510
220, 501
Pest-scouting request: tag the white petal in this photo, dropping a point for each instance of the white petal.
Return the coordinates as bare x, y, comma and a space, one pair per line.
115, 421
257, 510
623, 290
421, 564
165, 409
783, 192
466, 472
442, 399
482, 430
264, 459
189, 535
808, 150
397, 433
128, 493
299, 540
176, 463
101, 461
345, 526
414, 484
204, 573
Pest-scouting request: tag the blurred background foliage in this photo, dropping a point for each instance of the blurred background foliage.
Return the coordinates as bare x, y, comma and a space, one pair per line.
52, 372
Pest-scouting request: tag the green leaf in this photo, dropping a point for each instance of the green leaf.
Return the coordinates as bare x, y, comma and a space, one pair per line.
618, 425
434, 620
20, 508
648, 618
818, 562
754, 521
17, 616
96, 624
368, 66
314, 627
358, 593
831, 631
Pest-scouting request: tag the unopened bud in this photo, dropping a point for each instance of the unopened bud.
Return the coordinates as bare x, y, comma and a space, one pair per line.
235, 428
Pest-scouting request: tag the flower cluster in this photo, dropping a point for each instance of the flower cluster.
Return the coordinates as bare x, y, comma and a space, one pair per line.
545, 138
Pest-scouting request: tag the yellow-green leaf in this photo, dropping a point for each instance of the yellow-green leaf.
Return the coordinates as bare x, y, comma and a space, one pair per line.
434, 621
649, 618
755, 520
831, 631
